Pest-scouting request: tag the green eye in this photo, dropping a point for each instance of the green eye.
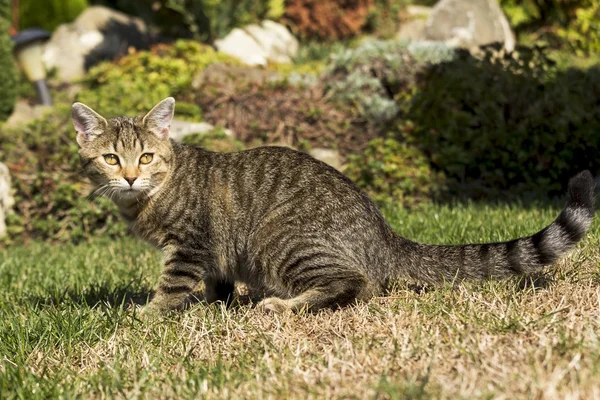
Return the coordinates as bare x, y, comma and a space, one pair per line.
146, 158
111, 159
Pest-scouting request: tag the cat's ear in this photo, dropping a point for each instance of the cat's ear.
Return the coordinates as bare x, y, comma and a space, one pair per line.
88, 123
158, 120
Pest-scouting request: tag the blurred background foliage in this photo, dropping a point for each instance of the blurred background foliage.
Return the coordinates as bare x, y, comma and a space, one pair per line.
8, 75
412, 121
55, 12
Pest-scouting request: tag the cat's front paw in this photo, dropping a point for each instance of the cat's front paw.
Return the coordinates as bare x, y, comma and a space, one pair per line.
274, 305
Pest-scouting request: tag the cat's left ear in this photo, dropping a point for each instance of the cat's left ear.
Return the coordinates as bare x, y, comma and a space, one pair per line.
158, 120
87, 122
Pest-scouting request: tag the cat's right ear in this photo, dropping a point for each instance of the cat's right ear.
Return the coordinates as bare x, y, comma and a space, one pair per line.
88, 123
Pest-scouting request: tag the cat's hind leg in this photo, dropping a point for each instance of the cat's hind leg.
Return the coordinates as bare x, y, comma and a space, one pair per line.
325, 293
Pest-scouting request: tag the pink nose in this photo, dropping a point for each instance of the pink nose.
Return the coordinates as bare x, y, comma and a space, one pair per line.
131, 180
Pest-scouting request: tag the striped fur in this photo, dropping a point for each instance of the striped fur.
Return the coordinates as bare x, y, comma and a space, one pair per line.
289, 226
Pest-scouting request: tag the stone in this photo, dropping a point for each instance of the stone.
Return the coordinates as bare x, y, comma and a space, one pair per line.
6, 199
413, 22
469, 24
238, 43
328, 156
290, 43
180, 129
412, 30
24, 113
259, 44
98, 34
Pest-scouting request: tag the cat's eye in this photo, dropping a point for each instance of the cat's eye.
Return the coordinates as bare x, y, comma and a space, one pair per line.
111, 159
146, 158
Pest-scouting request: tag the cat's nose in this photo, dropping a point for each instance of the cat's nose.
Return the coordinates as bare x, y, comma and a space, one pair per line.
131, 180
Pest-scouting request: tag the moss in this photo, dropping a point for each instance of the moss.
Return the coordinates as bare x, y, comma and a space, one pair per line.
135, 83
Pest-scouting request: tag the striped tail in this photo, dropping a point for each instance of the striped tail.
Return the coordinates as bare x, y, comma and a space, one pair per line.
433, 264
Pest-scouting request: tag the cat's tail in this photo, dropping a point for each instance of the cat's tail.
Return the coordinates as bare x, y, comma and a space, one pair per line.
433, 264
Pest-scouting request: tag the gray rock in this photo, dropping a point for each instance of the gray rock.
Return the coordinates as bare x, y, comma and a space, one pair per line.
99, 33
328, 156
257, 45
469, 23
412, 30
6, 199
180, 129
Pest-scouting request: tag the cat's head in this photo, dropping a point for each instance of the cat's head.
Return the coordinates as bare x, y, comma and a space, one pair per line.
127, 158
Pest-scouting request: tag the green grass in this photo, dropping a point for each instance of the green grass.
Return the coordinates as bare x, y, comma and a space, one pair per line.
66, 330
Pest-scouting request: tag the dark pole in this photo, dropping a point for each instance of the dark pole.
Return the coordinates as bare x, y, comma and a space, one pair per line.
43, 92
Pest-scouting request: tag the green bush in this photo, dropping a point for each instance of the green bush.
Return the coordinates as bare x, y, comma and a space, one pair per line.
508, 121
567, 24
55, 12
388, 169
201, 19
583, 32
8, 76
146, 77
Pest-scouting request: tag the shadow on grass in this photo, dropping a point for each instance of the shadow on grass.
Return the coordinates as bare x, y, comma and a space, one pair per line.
97, 295
124, 297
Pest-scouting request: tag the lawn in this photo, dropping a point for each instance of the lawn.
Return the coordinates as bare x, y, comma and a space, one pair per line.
66, 330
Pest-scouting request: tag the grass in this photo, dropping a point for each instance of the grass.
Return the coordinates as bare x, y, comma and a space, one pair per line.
66, 330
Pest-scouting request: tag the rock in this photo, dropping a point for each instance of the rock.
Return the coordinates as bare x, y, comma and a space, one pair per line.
418, 11
238, 43
99, 33
257, 45
328, 156
180, 129
290, 44
23, 113
413, 30
469, 23
6, 199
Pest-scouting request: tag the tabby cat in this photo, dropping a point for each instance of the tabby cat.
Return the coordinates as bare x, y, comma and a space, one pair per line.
289, 226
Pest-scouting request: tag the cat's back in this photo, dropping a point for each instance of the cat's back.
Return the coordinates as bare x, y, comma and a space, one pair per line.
270, 170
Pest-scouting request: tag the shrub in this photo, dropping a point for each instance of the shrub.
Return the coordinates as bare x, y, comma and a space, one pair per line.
388, 169
146, 77
8, 77
50, 194
583, 32
328, 19
55, 12
217, 140
571, 24
508, 122
373, 74
384, 18
201, 19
